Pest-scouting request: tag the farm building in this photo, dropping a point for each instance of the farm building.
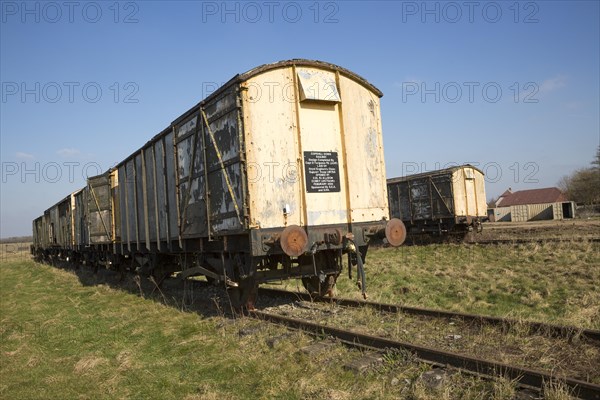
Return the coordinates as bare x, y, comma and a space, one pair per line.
532, 205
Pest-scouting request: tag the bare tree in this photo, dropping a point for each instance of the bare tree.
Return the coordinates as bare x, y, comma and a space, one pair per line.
583, 185
596, 161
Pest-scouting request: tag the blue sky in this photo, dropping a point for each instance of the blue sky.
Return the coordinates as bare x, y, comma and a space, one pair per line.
512, 87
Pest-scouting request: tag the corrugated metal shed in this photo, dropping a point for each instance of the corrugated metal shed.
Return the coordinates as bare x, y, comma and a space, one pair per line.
538, 212
563, 210
502, 214
534, 212
519, 213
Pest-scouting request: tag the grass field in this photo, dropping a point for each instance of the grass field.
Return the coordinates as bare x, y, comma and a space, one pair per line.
550, 282
64, 337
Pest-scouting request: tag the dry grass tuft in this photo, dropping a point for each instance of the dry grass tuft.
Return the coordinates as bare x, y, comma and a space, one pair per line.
205, 391
88, 364
333, 394
504, 389
53, 380
33, 361
124, 359
556, 391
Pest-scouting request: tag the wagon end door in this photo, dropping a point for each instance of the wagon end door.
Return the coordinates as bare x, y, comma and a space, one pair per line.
322, 148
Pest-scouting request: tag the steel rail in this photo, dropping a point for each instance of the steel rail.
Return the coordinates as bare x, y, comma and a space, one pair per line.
527, 241
551, 330
523, 376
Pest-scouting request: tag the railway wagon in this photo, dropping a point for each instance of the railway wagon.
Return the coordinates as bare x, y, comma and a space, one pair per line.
103, 227
80, 223
441, 202
277, 174
94, 228
53, 231
40, 237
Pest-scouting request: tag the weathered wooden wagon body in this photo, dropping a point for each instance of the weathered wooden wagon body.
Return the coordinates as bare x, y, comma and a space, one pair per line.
439, 202
276, 174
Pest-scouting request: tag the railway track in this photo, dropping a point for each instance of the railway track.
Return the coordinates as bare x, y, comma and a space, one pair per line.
528, 241
523, 376
528, 378
566, 332
559, 331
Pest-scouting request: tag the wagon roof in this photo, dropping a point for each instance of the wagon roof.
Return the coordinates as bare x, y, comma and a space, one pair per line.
66, 198
298, 62
433, 173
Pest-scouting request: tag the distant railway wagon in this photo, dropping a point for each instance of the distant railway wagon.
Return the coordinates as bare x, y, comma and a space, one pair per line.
40, 233
439, 202
278, 174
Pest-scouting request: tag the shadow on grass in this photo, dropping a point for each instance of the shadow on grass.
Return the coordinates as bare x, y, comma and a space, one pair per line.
189, 295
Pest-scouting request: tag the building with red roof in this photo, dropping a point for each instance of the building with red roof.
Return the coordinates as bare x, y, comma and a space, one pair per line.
532, 205
532, 196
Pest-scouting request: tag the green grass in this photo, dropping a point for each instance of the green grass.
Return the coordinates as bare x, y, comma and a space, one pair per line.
552, 282
62, 338
91, 341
